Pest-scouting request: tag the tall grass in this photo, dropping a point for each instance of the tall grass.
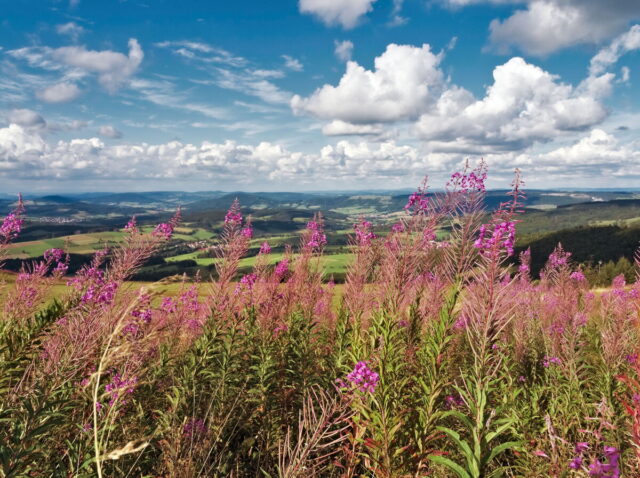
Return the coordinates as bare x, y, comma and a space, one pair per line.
441, 359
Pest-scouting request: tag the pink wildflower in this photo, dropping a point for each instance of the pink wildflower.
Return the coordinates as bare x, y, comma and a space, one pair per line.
363, 377
547, 361
282, 268
11, 227
247, 232
577, 276
163, 230
397, 227
233, 217
364, 234
265, 248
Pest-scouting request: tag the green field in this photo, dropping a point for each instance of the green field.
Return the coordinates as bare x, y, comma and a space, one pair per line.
333, 263
75, 244
91, 242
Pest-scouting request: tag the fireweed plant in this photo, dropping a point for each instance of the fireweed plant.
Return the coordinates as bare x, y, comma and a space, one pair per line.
440, 356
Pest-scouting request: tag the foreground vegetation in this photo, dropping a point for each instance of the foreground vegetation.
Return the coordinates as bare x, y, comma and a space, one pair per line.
440, 358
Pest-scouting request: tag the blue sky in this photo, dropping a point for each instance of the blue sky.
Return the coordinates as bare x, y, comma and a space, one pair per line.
316, 94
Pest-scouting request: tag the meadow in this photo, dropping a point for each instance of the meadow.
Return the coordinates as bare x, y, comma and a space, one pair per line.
439, 356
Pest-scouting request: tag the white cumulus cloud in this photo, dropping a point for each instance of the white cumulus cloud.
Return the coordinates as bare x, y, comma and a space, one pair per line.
59, 93
404, 81
524, 104
109, 132
341, 128
292, 63
343, 50
71, 29
26, 118
609, 55
113, 68
545, 26
346, 13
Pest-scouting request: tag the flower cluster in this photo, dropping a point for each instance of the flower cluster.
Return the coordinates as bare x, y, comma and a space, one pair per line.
169, 305
559, 258
503, 236
118, 386
249, 280
163, 230
91, 274
100, 293
247, 232
282, 267
195, 427
11, 227
547, 361
469, 182
418, 202
56, 255
51, 255
577, 276
317, 238
143, 316
398, 227
364, 234
454, 401
610, 468
265, 248
233, 217
364, 378
131, 226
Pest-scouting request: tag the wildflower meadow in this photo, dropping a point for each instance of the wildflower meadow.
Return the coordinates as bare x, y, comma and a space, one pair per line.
440, 356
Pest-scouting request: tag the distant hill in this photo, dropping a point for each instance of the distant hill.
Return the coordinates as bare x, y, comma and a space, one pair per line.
581, 214
586, 244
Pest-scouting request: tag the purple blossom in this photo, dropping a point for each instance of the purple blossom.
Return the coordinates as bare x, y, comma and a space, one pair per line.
232, 217
131, 226
317, 238
610, 468
11, 226
118, 386
619, 282
247, 232
547, 361
168, 305
576, 463
502, 236
53, 255
559, 258
418, 202
453, 401
581, 447
107, 293
143, 314
397, 227
61, 269
163, 230
100, 294
249, 280
465, 182
364, 234
577, 276
265, 248
363, 377
282, 268
195, 427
